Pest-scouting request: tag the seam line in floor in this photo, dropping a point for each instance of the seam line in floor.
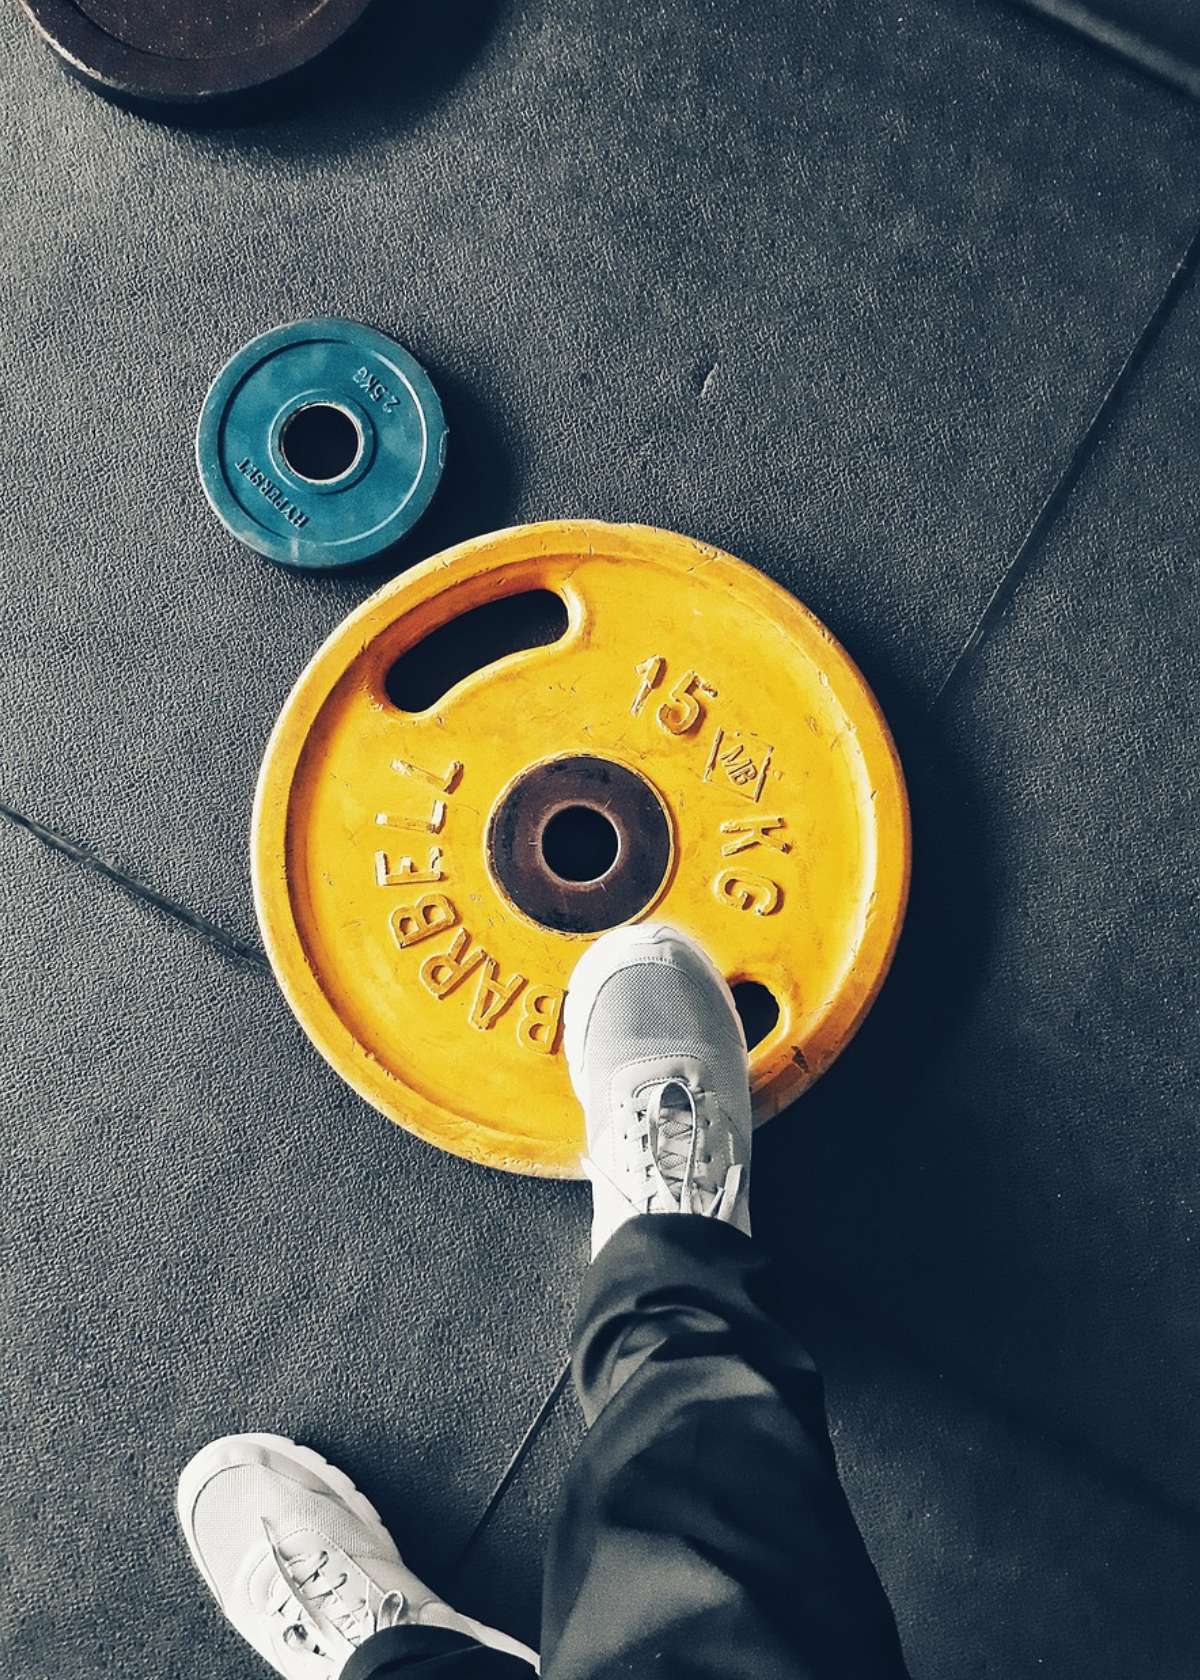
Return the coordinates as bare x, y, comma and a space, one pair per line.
1118, 41
509, 1473
227, 943
1081, 455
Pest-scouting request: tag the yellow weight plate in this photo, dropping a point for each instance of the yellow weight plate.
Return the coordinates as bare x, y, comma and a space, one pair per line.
694, 718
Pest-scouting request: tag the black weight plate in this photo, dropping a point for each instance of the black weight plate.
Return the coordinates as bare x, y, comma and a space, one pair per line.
186, 52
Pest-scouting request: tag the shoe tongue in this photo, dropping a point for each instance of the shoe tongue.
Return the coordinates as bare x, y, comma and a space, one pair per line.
673, 1123
335, 1617
674, 1097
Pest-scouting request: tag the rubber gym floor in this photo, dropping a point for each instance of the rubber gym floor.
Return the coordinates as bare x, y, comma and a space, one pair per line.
895, 300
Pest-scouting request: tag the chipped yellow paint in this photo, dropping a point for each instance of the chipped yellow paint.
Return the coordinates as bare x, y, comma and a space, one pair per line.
398, 949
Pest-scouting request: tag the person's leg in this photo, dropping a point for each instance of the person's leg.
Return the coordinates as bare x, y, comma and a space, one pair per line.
702, 1533
303, 1567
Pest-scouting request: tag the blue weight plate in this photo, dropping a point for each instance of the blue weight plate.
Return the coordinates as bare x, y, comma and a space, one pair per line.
321, 443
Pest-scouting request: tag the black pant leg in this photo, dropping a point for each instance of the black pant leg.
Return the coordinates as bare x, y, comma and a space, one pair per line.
702, 1533
430, 1653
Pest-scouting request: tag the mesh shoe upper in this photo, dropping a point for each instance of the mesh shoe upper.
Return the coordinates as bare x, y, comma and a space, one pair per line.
658, 1059
653, 1011
297, 1558
228, 1517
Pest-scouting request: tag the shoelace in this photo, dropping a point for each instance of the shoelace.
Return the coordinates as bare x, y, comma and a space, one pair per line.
340, 1624
672, 1140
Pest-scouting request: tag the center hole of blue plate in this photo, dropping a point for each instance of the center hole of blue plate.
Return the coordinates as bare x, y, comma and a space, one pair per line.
320, 442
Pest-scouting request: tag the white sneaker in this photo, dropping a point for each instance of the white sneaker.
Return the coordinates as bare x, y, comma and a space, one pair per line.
657, 1056
299, 1561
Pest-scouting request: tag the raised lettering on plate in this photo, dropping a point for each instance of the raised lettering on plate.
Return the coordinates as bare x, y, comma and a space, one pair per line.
745, 832
405, 871
444, 781
756, 893
411, 923
540, 1018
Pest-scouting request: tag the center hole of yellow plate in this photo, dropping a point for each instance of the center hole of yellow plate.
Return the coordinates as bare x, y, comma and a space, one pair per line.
579, 843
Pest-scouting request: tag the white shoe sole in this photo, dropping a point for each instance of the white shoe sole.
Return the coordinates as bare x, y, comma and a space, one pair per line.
197, 1472
610, 953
